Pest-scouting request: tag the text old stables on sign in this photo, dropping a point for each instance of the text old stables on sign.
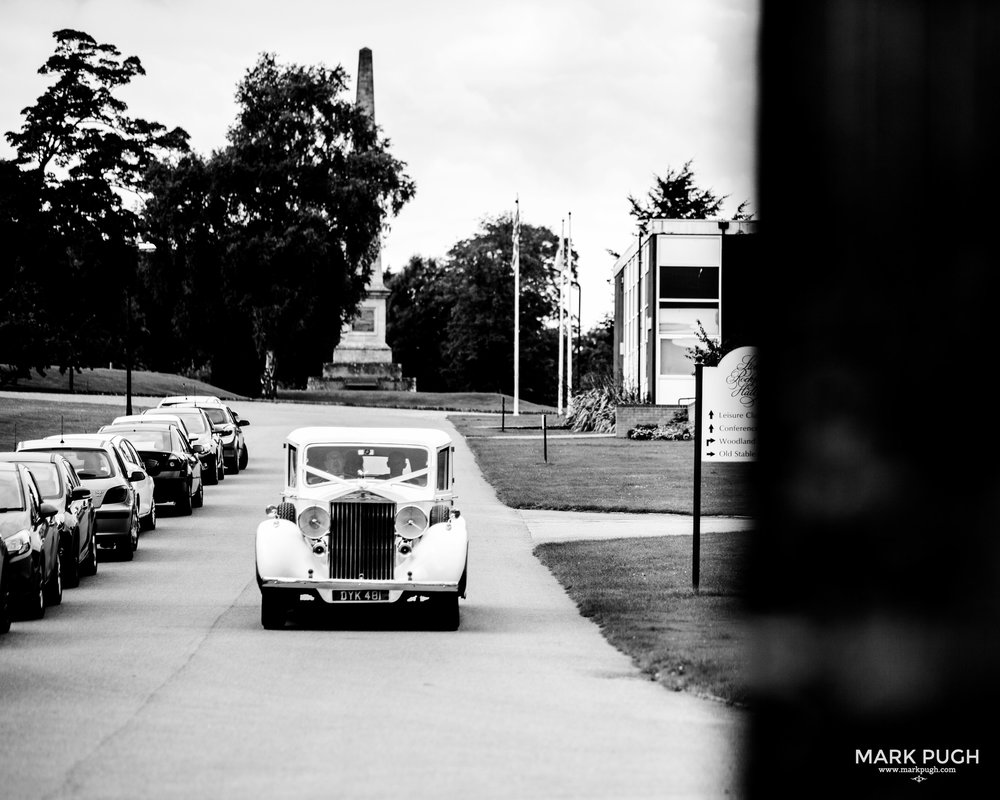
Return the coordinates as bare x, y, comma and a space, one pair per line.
729, 408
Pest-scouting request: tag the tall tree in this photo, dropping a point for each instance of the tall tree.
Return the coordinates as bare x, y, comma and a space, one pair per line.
675, 195
309, 183
83, 158
463, 309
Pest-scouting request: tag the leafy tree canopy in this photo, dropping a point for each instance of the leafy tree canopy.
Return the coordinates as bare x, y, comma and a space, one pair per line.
296, 202
451, 321
79, 153
675, 195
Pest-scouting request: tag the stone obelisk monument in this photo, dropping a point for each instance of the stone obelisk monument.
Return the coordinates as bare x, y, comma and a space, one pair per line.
363, 360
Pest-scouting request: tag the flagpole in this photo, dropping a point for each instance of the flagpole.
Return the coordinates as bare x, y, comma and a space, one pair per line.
561, 259
569, 345
517, 306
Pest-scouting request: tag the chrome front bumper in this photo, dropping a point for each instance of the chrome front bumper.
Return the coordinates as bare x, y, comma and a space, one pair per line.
336, 584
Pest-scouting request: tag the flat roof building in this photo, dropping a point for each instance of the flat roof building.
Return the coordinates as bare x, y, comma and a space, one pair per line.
676, 275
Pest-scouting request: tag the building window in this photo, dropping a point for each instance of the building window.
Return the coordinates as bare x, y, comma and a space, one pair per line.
696, 283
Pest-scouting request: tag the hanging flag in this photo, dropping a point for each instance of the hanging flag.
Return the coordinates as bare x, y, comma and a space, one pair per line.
516, 264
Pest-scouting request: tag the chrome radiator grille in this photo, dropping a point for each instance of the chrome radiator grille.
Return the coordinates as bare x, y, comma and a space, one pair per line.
362, 540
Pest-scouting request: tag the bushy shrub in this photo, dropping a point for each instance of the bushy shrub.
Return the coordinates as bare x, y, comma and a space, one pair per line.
594, 408
673, 431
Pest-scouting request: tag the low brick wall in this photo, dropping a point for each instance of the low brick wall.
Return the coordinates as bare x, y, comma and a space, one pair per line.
627, 417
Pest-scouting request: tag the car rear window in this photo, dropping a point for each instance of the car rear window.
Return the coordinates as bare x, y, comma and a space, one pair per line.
216, 415
194, 421
89, 464
149, 440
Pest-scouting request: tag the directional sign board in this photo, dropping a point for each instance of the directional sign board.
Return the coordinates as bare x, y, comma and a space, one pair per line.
729, 408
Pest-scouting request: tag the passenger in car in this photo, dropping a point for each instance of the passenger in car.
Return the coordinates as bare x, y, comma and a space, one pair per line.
397, 463
331, 461
353, 465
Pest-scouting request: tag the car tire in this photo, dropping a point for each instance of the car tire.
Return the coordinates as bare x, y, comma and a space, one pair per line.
210, 475
183, 503
233, 465
32, 604
149, 522
285, 511
54, 585
5, 614
274, 609
129, 543
71, 574
244, 457
89, 566
445, 615
199, 497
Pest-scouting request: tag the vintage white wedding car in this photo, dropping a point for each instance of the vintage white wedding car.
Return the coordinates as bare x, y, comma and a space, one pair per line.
366, 516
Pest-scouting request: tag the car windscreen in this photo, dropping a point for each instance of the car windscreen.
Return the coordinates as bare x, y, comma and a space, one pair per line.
47, 478
89, 464
324, 462
193, 421
10, 492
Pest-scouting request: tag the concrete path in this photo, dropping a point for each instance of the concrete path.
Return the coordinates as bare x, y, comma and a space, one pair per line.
563, 526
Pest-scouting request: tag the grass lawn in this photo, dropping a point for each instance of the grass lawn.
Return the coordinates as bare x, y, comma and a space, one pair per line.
432, 401
587, 473
639, 592
39, 418
112, 381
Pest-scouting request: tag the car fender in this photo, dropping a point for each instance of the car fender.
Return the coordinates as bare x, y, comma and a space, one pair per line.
282, 551
440, 554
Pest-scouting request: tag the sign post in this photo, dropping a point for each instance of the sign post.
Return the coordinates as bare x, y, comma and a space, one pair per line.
725, 423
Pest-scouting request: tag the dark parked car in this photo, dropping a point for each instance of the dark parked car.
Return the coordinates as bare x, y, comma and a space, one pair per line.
228, 425
102, 469
76, 517
204, 440
31, 536
169, 459
4, 588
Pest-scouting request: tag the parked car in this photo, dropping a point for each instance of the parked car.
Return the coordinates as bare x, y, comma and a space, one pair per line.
366, 516
31, 537
4, 588
144, 486
229, 426
76, 516
101, 468
168, 457
198, 399
204, 440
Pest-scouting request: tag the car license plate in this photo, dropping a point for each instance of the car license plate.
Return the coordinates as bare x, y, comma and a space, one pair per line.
361, 595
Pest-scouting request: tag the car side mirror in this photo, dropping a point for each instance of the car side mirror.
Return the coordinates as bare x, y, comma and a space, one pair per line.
47, 510
137, 475
243, 423
79, 493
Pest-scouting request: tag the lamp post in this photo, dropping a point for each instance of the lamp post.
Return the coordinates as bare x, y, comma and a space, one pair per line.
144, 248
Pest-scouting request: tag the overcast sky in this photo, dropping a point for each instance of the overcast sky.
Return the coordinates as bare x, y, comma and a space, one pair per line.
568, 105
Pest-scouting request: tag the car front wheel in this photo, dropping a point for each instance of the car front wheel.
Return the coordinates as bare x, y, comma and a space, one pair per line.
183, 504
444, 611
244, 457
210, 473
273, 609
32, 604
71, 557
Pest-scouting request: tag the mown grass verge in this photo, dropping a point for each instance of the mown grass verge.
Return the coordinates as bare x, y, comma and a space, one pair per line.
588, 473
638, 591
102, 380
20, 420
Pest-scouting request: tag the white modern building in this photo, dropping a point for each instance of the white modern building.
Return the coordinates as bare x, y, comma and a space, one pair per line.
676, 275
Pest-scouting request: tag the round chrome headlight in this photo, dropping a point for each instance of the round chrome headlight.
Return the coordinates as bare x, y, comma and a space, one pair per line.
314, 522
410, 522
